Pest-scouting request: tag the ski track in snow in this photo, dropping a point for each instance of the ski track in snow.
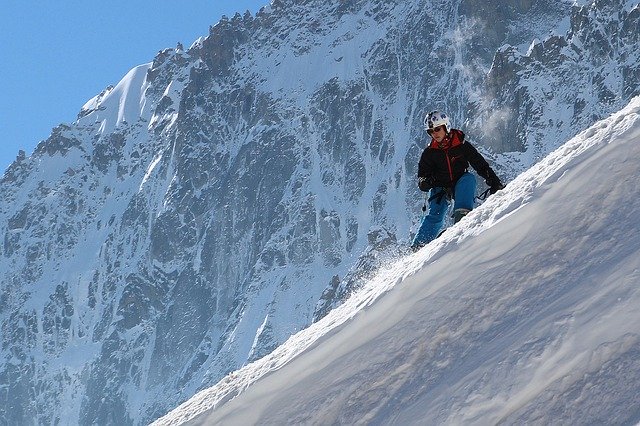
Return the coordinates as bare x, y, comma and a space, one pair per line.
535, 318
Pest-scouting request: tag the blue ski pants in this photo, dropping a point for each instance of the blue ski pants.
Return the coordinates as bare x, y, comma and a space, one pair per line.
464, 194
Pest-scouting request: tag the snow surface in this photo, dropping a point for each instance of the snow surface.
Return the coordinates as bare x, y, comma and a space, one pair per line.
125, 103
526, 310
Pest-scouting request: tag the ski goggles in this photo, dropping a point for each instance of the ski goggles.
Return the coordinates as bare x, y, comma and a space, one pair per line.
436, 129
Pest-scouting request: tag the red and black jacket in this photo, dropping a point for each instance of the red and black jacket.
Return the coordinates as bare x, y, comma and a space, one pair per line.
443, 164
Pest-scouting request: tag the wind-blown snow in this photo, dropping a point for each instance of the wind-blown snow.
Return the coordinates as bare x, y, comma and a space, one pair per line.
526, 310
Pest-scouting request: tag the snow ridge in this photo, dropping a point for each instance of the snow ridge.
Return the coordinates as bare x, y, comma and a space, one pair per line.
124, 103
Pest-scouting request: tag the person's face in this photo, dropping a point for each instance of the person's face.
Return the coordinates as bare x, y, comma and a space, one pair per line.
438, 133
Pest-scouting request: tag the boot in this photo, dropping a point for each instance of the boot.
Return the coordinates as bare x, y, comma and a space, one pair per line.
459, 214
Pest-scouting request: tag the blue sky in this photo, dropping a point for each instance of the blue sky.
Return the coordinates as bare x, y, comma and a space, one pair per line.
58, 55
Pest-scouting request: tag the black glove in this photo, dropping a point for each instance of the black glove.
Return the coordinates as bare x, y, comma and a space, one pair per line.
494, 184
425, 183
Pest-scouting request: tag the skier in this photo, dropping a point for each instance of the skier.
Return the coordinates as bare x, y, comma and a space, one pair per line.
443, 172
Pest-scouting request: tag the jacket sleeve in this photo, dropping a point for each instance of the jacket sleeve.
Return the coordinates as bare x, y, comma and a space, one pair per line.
425, 173
424, 168
479, 164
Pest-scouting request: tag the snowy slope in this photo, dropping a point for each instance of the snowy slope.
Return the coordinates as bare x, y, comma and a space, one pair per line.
525, 311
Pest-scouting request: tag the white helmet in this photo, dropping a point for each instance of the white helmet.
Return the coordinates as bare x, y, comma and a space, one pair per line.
435, 119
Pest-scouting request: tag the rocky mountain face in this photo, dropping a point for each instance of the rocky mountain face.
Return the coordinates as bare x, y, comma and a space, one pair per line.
577, 74
218, 199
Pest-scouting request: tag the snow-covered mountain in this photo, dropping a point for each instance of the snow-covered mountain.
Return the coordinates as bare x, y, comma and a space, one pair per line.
220, 198
524, 312
534, 98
